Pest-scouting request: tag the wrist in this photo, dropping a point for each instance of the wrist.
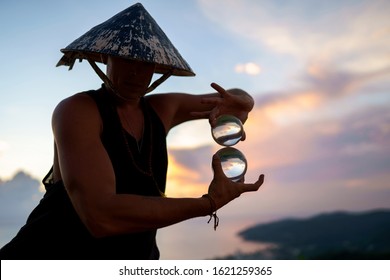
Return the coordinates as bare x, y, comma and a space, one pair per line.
212, 212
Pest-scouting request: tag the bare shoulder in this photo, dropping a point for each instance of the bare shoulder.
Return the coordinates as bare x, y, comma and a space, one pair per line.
75, 102
78, 110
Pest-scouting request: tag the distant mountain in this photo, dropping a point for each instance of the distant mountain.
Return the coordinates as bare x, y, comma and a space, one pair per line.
339, 235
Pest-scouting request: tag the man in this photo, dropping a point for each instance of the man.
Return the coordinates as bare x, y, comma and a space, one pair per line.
105, 192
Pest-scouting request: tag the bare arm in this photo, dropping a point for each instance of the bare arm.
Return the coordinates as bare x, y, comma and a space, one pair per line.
176, 108
89, 179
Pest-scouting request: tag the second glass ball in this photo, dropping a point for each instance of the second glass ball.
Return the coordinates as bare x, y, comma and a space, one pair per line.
234, 163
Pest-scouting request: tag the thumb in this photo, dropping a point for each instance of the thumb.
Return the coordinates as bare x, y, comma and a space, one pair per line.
217, 166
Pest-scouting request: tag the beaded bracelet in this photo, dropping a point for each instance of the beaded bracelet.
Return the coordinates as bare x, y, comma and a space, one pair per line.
213, 213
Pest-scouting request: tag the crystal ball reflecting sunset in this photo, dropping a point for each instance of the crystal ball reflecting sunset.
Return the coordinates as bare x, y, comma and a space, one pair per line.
234, 163
227, 131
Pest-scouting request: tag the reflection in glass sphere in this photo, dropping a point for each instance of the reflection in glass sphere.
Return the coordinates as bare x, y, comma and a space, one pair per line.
227, 131
233, 163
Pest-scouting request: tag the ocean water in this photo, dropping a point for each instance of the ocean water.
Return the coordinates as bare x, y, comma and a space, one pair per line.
196, 240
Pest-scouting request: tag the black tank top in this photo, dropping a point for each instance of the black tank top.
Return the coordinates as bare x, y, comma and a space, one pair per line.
53, 229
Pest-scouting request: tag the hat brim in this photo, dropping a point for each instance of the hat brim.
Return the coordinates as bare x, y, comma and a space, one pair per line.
131, 34
70, 56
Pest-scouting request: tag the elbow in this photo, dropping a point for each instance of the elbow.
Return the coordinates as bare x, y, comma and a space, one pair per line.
96, 227
100, 224
103, 219
97, 223
99, 228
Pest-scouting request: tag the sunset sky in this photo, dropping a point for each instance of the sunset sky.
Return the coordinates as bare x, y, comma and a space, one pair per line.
318, 70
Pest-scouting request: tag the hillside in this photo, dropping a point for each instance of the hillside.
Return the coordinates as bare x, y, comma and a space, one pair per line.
338, 235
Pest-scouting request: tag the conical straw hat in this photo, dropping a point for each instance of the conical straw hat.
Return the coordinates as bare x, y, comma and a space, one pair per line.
130, 34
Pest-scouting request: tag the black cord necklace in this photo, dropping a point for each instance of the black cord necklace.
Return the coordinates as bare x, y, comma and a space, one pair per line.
149, 168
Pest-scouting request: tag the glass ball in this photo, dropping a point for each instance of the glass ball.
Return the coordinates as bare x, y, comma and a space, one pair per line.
227, 131
234, 163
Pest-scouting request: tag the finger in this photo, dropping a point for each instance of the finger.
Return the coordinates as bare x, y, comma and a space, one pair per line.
217, 166
213, 117
253, 187
212, 122
219, 89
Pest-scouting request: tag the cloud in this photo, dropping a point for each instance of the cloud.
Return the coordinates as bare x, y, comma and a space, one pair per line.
189, 171
343, 150
342, 34
4, 146
249, 68
324, 92
332, 82
18, 196
189, 159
